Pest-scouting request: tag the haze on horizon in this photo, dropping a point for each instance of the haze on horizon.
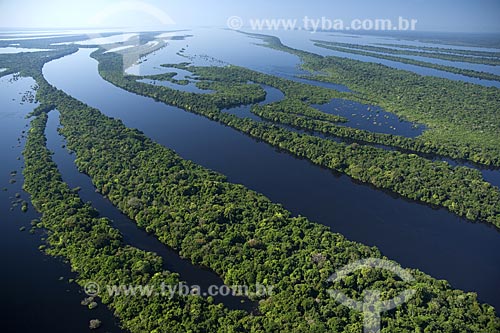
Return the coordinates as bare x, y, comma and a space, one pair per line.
440, 16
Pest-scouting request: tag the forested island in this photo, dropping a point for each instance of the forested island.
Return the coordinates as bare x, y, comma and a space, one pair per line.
405, 173
483, 58
240, 234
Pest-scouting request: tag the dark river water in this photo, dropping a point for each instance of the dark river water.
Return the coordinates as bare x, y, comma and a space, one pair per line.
371, 118
36, 293
418, 236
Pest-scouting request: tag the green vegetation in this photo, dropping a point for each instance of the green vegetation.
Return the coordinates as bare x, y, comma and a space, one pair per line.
242, 236
450, 69
165, 77
282, 113
460, 116
238, 233
94, 324
434, 54
297, 109
488, 54
461, 190
30, 64
24, 207
97, 252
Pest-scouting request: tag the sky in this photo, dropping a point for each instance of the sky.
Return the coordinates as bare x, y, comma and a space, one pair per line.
432, 15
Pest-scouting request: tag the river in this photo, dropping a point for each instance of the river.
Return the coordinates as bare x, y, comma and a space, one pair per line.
37, 295
416, 235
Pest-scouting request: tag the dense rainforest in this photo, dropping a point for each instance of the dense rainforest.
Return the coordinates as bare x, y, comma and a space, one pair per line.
240, 234
462, 190
236, 232
97, 252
